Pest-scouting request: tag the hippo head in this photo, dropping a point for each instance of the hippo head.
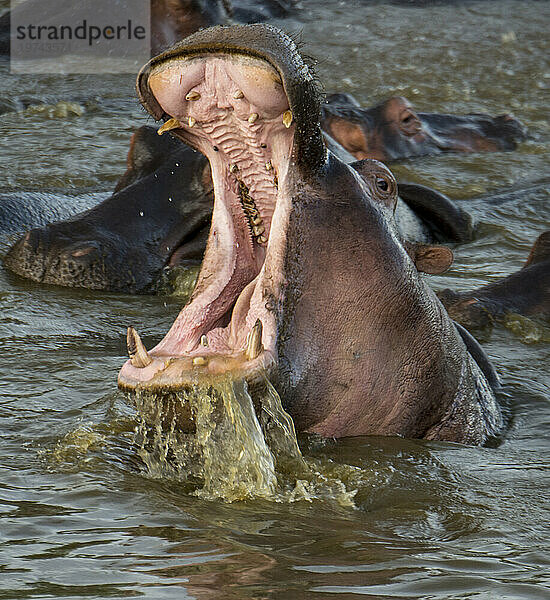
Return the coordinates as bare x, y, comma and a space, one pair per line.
253, 110
393, 129
303, 276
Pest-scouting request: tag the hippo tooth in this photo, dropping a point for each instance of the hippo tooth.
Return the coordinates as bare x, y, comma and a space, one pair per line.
139, 356
191, 121
199, 361
253, 118
233, 168
287, 118
168, 126
262, 239
268, 166
256, 220
258, 230
254, 341
238, 95
204, 341
193, 95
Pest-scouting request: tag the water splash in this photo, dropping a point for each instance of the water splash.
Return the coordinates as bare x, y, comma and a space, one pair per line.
226, 455
179, 282
215, 439
526, 329
60, 110
76, 445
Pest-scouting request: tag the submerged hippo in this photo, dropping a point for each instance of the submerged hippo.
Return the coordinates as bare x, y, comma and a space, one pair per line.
526, 292
393, 130
304, 276
158, 218
173, 20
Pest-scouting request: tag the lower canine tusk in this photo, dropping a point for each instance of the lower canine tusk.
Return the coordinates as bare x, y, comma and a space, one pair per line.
139, 357
168, 126
254, 342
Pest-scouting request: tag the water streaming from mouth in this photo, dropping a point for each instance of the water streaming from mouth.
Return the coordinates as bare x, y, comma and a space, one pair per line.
223, 445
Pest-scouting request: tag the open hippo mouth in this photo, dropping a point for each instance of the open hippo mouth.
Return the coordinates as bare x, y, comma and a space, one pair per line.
238, 107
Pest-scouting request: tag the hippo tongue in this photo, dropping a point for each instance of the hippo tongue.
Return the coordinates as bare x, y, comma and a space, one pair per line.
234, 110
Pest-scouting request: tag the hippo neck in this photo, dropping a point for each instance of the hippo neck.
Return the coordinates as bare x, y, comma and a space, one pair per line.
354, 306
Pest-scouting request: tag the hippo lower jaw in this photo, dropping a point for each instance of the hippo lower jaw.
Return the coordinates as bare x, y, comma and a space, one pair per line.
235, 111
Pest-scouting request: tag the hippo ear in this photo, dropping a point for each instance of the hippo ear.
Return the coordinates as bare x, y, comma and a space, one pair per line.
540, 251
348, 134
343, 99
430, 259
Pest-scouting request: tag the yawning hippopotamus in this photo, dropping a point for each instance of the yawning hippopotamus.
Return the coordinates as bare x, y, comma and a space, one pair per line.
393, 130
304, 277
526, 292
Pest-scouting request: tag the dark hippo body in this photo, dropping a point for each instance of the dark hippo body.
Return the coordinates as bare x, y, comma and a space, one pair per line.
23, 210
172, 20
526, 292
159, 216
304, 276
393, 130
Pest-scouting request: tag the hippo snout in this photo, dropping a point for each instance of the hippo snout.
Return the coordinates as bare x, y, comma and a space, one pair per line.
25, 257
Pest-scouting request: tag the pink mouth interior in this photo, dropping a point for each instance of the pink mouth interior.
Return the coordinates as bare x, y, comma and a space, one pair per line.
230, 108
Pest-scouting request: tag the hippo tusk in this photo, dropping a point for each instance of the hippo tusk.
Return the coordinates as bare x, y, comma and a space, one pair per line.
193, 95
139, 357
168, 126
287, 118
254, 341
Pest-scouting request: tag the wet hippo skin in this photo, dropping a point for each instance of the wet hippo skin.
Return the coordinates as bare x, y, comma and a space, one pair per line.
159, 217
525, 292
304, 276
393, 130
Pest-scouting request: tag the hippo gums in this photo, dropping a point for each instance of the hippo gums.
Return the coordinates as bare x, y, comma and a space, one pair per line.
393, 129
304, 277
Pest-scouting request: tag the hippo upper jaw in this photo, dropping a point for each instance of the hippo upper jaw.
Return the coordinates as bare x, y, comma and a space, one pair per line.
235, 110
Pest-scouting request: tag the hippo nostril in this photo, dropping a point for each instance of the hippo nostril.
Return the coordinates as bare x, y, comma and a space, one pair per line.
83, 251
33, 240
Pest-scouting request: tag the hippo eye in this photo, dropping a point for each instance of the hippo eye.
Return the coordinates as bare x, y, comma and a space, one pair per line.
408, 119
382, 184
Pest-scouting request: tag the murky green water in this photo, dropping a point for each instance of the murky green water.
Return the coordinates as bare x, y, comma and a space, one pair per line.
80, 517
